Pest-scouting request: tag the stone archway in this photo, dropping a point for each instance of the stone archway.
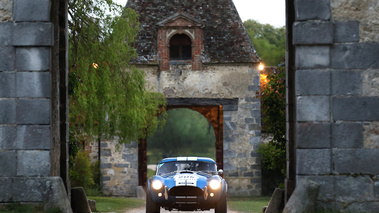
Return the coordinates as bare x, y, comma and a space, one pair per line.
211, 109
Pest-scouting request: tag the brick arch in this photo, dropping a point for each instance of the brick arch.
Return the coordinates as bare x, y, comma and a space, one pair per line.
179, 32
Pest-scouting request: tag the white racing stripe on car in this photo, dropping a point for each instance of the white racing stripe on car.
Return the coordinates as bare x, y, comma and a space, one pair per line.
181, 158
186, 158
192, 158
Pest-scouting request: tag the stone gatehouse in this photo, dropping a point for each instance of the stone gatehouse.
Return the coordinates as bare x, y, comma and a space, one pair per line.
332, 73
195, 59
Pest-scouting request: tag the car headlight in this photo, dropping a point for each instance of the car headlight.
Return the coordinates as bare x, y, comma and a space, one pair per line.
215, 184
157, 184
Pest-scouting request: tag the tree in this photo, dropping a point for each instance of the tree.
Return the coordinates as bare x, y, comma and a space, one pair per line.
274, 118
186, 132
107, 94
269, 42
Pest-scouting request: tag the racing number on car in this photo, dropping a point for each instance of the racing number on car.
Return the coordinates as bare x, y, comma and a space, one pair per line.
185, 180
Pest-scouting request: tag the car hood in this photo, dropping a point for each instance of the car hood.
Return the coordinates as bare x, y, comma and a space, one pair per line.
186, 179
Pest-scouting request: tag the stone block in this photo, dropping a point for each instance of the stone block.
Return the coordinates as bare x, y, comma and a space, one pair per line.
313, 161
33, 58
359, 188
228, 168
6, 10
30, 189
355, 108
346, 31
370, 135
33, 137
346, 82
356, 161
7, 55
255, 140
8, 164
249, 120
79, 200
312, 56
347, 135
230, 154
33, 111
6, 188
7, 137
36, 10
107, 152
312, 82
33, 34
255, 113
122, 165
312, 33
7, 111
326, 183
57, 196
7, 84
370, 83
355, 56
106, 178
312, 10
6, 34
368, 206
105, 165
276, 203
33, 163
304, 197
230, 126
33, 84
310, 135
313, 108
230, 107
376, 188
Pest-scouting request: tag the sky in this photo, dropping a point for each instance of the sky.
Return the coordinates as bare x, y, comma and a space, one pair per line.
264, 11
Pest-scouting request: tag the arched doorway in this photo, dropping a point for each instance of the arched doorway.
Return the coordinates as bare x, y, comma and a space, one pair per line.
213, 113
186, 133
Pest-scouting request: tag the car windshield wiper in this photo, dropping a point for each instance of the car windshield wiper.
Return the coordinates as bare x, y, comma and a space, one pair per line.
167, 173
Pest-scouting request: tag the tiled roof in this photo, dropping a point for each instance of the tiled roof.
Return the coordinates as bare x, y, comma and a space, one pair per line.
225, 37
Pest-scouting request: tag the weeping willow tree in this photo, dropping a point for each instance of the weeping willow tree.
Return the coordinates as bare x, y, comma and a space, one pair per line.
107, 95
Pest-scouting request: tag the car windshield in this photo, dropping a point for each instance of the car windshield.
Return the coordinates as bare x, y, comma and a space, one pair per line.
194, 166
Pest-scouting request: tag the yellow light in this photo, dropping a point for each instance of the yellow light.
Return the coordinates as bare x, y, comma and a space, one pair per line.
261, 67
212, 194
263, 79
157, 184
159, 194
215, 184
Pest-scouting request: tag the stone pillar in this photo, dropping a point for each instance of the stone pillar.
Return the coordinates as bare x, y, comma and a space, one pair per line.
337, 101
26, 158
242, 136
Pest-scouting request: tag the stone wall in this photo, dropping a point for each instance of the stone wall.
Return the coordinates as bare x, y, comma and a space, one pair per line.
119, 168
242, 133
29, 134
336, 56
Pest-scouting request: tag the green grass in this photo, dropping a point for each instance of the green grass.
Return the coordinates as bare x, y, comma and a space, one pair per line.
116, 204
248, 204
150, 173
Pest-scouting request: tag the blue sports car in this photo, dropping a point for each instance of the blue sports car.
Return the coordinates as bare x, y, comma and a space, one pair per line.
186, 184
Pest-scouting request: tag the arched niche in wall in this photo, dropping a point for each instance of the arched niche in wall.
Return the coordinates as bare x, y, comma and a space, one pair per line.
180, 31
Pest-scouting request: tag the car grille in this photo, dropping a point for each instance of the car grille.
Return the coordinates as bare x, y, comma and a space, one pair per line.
185, 191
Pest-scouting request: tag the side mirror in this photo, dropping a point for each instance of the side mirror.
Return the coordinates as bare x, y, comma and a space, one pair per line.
220, 172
